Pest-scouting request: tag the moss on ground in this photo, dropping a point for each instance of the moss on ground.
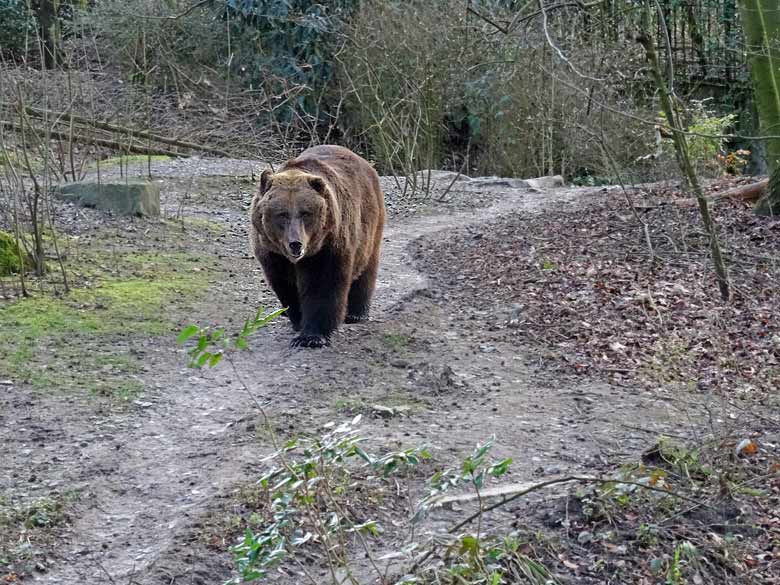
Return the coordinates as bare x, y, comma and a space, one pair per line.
129, 160
11, 260
83, 340
197, 223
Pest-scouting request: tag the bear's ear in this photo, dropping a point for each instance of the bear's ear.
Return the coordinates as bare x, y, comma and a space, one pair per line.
265, 181
318, 185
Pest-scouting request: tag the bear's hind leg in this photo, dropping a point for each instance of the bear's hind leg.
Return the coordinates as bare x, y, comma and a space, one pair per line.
360, 293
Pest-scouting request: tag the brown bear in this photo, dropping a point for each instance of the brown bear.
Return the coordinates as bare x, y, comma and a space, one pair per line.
316, 229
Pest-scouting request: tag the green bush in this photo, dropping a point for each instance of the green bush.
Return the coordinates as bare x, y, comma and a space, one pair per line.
287, 48
162, 52
430, 86
703, 150
17, 26
414, 87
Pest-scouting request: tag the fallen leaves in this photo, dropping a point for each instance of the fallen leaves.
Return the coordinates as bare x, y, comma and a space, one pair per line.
582, 282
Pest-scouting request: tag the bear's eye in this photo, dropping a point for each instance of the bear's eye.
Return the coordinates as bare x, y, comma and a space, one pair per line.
305, 214
283, 215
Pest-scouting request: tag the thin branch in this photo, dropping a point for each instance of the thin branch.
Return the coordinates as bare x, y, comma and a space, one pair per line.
180, 14
539, 486
558, 51
569, 479
69, 117
647, 122
487, 19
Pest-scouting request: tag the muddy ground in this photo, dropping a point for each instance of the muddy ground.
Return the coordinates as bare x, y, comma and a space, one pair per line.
145, 483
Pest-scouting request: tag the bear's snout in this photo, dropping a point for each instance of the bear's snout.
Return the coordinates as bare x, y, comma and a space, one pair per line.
296, 248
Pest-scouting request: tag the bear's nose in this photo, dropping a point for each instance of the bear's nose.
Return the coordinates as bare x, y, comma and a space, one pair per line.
295, 248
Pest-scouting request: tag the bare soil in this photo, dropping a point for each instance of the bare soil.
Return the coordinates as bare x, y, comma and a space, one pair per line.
151, 478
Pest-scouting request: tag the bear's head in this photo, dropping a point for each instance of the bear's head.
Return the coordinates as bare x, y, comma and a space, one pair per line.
292, 209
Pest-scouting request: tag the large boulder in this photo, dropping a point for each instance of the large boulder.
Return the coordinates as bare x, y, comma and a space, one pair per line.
441, 177
548, 182
500, 183
121, 197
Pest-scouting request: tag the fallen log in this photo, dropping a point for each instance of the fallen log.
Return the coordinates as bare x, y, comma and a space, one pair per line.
748, 193
751, 192
128, 147
66, 117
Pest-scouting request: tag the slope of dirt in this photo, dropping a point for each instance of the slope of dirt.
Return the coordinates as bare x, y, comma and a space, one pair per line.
147, 475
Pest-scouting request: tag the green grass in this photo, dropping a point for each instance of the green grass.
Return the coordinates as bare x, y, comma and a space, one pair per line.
134, 159
396, 341
28, 527
82, 340
197, 223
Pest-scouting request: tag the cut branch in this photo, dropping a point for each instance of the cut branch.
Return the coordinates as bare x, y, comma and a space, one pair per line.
94, 140
752, 192
66, 117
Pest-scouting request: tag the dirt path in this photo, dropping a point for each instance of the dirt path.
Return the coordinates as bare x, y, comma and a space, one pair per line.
148, 475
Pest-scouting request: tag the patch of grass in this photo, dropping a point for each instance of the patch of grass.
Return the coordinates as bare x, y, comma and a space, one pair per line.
129, 160
28, 528
401, 399
350, 405
80, 340
13, 158
396, 341
197, 223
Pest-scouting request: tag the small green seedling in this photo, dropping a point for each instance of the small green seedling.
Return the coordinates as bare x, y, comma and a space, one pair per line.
211, 345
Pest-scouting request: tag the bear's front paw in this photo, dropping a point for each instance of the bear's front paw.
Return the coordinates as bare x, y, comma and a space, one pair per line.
350, 319
310, 341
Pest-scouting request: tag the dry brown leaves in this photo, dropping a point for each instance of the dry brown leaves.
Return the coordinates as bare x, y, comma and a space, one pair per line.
582, 281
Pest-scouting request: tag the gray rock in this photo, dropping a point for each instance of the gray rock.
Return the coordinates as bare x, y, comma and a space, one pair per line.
122, 198
497, 183
441, 178
536, 184
550, 182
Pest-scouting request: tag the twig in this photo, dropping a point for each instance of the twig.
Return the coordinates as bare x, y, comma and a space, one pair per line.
180, 14
569, 479
614, 110
548, 483
126, 147
558, 51
69, 117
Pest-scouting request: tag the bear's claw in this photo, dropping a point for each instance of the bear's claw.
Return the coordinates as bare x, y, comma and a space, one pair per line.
309, 341
350, 319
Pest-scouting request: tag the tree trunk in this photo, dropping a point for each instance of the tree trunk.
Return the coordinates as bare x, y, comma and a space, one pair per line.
681, 151
770, 203
761, 23
46, 11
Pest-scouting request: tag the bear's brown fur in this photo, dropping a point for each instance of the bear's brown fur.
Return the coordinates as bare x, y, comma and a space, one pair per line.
316, 229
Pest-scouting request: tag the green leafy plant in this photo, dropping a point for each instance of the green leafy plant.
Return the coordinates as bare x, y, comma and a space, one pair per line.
472, 558
310, 498
312, 493
287, 44
17, 26
211, 345
705, 143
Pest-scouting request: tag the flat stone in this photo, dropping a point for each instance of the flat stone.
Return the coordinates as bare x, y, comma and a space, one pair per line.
497, 183
137, 198
500, 183
550, 182
441, 177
